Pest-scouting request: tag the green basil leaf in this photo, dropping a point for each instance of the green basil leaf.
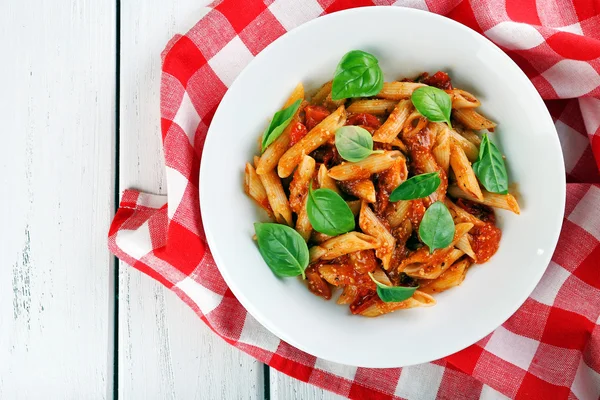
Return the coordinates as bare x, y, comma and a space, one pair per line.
417, 187
357, 75
433, 103
389, 294
280, 121
328, 213
282, 248
353, 143
490, 167
437, 227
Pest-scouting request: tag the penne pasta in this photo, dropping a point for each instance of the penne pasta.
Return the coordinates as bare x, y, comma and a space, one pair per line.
392, 126
341, 245
398, 90
453, 276
470, 149
321, 94
277, 198
399, 144
255, 189
438, 269
318, 237
465, 176
354, 206
376, 307
464, 244
471, 119
414, 124
371, 225
372, 106
364, 169
463, 99
441, 150
364, 189
325, 181
471, 137
300, 182
349, 294
317, 136
459, 214
398, 212
333, 104
496, 200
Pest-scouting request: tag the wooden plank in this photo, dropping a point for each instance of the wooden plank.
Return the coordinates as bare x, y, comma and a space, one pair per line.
165, 350
57, 166
284, 387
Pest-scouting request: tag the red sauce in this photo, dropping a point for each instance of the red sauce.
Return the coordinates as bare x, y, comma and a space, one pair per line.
364, 120
297, 132
363, 261
327, 154
365, 298
486, 239
314, 115
440, 80
316, 284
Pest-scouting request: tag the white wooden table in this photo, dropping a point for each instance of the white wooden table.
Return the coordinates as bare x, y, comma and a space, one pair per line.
79, 104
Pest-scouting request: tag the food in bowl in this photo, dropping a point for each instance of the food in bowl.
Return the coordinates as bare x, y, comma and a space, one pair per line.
385, 190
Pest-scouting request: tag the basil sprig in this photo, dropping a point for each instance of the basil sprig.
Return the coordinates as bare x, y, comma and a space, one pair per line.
490, 167
280, 121
282, 248
357, 75
389, 294
417, 187
328, 213
433, 103
437, 227
354, 143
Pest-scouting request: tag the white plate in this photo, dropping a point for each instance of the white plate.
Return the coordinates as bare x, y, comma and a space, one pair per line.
406, 42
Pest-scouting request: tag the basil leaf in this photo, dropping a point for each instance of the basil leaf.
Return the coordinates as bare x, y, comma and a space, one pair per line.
280, 121
353, 143
417, 187
357, 75
437, 227
433, 103
328, 213
282, 248
490, 167
389, 294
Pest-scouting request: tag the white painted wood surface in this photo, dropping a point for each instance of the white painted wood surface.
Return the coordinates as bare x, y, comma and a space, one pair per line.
57, 106
165, 350
284, 387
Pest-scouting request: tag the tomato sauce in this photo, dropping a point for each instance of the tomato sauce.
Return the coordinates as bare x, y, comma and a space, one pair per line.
316, 284
486, 240
481, 211
297, 132
440, 80
314, 115
364, 120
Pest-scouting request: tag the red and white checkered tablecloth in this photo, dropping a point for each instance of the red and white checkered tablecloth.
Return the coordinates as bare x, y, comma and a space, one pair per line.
550, 348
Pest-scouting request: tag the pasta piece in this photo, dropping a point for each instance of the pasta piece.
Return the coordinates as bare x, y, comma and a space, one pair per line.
463, 99
459, 214
453, 276
354, 206
504, 201
414, 124
318, 237
363, 189
464, 172
303, 225
365, 168
436, 270
376, 307
316, 284
398, 90
400, 144
299, 184
277, 198
471, 150
398, 212
325, 181
297, 94
321, 94
471, 119
317, 136
464, 244
371, 225
441, 150
255, 189
374, 106
343, 244
330, 103
392, 126
337, 274
381, 277
471, 136
348, 295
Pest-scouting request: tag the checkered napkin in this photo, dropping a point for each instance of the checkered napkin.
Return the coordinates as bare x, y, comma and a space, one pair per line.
550, 348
